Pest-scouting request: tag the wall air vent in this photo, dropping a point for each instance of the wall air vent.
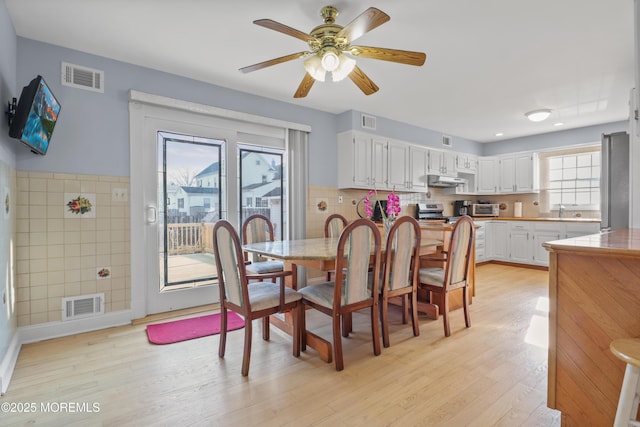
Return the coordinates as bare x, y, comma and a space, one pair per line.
368, 122
446, 141
82, 306
82, 77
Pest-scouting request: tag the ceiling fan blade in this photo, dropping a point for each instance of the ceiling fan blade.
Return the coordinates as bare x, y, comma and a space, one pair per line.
274, 61
365, 22
305, 86
361, 80
394, 55
281, 28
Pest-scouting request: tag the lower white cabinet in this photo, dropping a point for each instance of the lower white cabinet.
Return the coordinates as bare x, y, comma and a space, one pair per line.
521, 241
481, 252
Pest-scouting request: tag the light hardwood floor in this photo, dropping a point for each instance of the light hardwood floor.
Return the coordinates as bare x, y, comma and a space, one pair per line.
492, 374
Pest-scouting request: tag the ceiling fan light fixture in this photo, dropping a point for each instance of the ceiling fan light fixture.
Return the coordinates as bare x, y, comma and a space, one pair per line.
538, 115
344, 69
330, 60
314, 67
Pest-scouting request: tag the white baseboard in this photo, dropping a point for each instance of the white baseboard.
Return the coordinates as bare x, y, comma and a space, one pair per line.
45, 331
8, 363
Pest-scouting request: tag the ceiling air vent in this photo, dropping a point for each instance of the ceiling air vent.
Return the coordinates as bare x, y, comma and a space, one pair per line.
82, 77
446, 141
368, 122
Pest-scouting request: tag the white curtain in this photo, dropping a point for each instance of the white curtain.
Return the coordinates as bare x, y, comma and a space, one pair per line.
297, 149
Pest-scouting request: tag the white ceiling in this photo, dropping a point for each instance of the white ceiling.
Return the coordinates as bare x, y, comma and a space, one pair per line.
488, 61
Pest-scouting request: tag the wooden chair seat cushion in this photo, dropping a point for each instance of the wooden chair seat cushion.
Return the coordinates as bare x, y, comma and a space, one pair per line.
265, 267
320, 293
432, 276
263, 295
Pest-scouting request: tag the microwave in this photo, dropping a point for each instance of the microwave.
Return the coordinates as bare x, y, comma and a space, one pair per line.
485, 209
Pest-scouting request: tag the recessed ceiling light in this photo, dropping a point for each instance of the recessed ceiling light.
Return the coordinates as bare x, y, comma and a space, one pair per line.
538, 115
558, 124
499, 134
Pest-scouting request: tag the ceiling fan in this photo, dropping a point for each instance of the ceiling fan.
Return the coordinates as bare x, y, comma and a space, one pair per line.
331, 50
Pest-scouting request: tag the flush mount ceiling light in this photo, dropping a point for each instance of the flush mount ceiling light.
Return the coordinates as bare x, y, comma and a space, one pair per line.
538, 115
331, 50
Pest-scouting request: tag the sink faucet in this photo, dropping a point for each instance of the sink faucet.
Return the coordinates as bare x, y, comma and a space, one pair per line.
561, 211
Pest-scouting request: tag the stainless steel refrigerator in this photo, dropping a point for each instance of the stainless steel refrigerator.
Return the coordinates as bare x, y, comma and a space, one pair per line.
614, 181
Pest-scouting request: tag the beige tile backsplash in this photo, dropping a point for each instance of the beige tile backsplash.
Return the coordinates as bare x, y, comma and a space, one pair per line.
58, 256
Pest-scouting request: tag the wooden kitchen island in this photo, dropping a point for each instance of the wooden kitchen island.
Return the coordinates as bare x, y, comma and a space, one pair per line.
594, 293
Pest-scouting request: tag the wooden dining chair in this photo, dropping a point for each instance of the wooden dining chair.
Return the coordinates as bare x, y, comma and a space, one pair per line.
333, 226
255, 300
439, 282
352, 290
258, 228
400, 273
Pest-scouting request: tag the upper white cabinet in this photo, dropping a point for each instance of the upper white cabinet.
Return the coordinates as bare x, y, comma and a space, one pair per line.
518, 173
467, 163
442, 163
367, 161
418, 164
487, 180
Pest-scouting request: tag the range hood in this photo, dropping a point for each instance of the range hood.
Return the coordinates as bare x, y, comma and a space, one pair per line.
445, 181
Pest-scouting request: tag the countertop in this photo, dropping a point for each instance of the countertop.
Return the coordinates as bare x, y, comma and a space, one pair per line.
625, 242
544, 219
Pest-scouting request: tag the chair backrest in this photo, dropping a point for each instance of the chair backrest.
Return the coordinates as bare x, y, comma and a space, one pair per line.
232, 278
334, 224
402, 253
359, 241
256, 228
457, 266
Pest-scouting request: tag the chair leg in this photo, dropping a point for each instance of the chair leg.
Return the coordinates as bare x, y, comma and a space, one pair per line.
295, 312
465, 301
265, 328
337, 343
414, 313
375, 331
445, 314
223, 332
384, 319
303, 327
405, 309
347, 324
246, 357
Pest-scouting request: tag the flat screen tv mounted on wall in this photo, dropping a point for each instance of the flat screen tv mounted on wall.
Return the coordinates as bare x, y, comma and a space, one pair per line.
35, 116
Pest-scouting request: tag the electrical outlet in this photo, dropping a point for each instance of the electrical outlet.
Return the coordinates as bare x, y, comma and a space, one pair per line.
119, 195
340, 199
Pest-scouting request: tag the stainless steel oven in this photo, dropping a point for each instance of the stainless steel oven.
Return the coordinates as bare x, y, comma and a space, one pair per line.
485, 209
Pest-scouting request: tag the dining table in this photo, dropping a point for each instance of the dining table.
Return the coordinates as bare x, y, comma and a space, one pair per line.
316, 253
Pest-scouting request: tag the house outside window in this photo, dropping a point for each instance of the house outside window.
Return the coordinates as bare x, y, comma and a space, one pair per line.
180, 203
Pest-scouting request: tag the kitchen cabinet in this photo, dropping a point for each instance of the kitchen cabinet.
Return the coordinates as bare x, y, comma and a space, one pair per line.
497, 240
398, 160
544, 232
442, 163
467, 163
407, 167
522, 241
379, 163
518, 173
520, 248
481, 254
354, 160
487, 179
418, 166
577, 229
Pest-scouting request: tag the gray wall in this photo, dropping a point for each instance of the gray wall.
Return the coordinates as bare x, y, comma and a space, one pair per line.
92, 134
585, 135
7, 168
